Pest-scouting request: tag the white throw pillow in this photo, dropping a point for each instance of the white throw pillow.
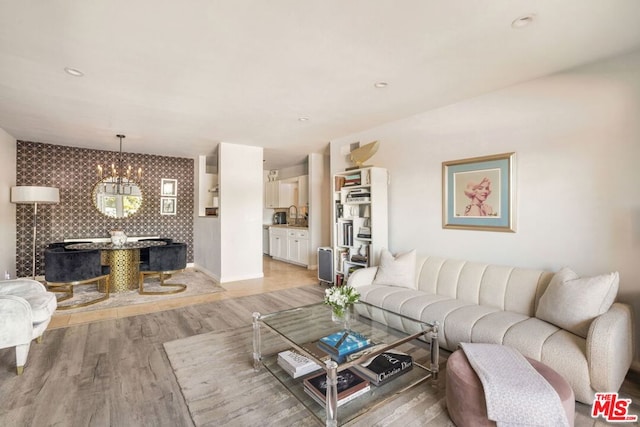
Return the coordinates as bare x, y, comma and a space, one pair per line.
397, 271
572, 302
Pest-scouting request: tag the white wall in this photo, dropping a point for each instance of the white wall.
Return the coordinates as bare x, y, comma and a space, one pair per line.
319, 206
7, 209
206, 230
241, 191
577, 139
293, 171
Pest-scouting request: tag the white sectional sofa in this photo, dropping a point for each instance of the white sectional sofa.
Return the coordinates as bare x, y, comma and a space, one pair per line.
476, 302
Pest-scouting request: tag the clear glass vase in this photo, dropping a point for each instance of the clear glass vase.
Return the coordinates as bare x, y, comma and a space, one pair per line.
343, 316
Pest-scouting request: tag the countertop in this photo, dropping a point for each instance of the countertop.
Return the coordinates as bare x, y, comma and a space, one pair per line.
287, 226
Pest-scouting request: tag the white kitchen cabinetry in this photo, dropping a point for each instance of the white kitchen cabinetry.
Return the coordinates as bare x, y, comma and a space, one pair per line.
298, 246
289, 244
279, 194
278, 242
271, 194
287, 194
360, 219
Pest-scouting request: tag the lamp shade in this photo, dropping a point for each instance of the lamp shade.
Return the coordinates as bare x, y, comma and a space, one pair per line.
31, 194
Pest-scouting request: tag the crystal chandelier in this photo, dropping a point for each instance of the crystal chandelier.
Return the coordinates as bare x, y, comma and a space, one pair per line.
119, 180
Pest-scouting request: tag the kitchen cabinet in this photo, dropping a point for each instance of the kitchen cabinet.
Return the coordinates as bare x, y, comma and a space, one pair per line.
289, 244
278, 242
280, 194
287, 194
271, 193
298, 246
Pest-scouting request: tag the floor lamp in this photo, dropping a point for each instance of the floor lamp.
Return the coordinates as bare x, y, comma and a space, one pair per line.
31, 195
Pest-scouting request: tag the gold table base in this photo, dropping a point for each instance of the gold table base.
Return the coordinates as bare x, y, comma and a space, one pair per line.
125, 268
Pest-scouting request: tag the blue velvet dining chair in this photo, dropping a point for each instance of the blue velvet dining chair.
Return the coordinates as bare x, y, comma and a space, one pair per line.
144, 252
65, 269
164, 261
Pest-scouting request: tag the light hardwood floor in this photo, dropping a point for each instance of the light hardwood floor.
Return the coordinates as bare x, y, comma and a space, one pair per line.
277, 276
108, 367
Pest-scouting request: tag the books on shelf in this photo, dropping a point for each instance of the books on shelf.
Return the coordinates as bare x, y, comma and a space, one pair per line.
360, 255
296, 364
351, 180
343, 343
347, 234
364, 232
343, 256
349, 386
359, 258
358, 199
385, 366
358, 195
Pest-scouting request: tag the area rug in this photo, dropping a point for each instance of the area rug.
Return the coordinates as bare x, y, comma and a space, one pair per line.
220, 387
197, 283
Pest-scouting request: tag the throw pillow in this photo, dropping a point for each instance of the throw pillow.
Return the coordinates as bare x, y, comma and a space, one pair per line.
572, 302
396, 271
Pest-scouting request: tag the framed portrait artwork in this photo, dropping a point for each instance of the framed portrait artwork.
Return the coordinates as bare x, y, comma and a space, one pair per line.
168, 205
169, 187
479, 193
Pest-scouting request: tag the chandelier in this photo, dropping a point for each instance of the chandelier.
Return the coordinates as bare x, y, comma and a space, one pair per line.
119, 180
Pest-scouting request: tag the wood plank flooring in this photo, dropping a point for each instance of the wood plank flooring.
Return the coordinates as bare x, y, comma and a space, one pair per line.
114, 372
109, 368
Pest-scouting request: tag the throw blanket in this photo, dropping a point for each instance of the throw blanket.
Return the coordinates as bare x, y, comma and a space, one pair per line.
515, 392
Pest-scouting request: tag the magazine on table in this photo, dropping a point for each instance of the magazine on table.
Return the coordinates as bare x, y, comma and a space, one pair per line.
343, 343
296, 364
348, 383
385, 366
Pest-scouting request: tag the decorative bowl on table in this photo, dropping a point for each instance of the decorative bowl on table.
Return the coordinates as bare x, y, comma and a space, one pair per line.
118, 238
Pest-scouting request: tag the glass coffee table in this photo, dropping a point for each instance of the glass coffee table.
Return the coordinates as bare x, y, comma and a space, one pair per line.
302, 327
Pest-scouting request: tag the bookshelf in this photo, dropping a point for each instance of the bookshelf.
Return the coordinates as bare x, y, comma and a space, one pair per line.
360, 223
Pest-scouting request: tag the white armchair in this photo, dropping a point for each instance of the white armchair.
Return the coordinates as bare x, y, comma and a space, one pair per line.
25, 312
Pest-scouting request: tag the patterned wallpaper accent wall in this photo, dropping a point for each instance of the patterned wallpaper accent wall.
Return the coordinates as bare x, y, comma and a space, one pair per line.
73, 171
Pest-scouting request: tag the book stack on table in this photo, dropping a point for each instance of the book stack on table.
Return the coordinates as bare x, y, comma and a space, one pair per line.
349, 386
385, 366
341, 344
296, 364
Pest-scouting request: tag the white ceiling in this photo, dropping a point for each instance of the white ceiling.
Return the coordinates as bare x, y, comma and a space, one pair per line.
178, 77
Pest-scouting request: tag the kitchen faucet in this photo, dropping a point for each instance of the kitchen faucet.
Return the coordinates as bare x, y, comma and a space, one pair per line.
295, 219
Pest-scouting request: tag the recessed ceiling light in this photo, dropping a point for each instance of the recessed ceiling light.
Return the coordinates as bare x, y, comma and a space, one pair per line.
523, 21
303, 119
380, 85
73, 71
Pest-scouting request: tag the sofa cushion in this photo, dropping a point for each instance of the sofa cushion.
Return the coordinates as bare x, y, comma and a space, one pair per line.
493, 327
397, 271
460, 323
572, 302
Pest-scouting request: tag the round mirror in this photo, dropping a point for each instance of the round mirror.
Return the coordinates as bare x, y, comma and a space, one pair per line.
117, 200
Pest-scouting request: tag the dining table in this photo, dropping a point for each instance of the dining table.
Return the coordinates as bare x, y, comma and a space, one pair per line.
123, 261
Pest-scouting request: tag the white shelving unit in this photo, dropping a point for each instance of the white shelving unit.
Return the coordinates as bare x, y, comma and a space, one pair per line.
360, 219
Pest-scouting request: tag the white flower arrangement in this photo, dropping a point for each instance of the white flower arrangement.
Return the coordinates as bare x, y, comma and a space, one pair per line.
341, 297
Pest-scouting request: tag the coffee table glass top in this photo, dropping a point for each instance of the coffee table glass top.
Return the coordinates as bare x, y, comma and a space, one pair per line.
302, 327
